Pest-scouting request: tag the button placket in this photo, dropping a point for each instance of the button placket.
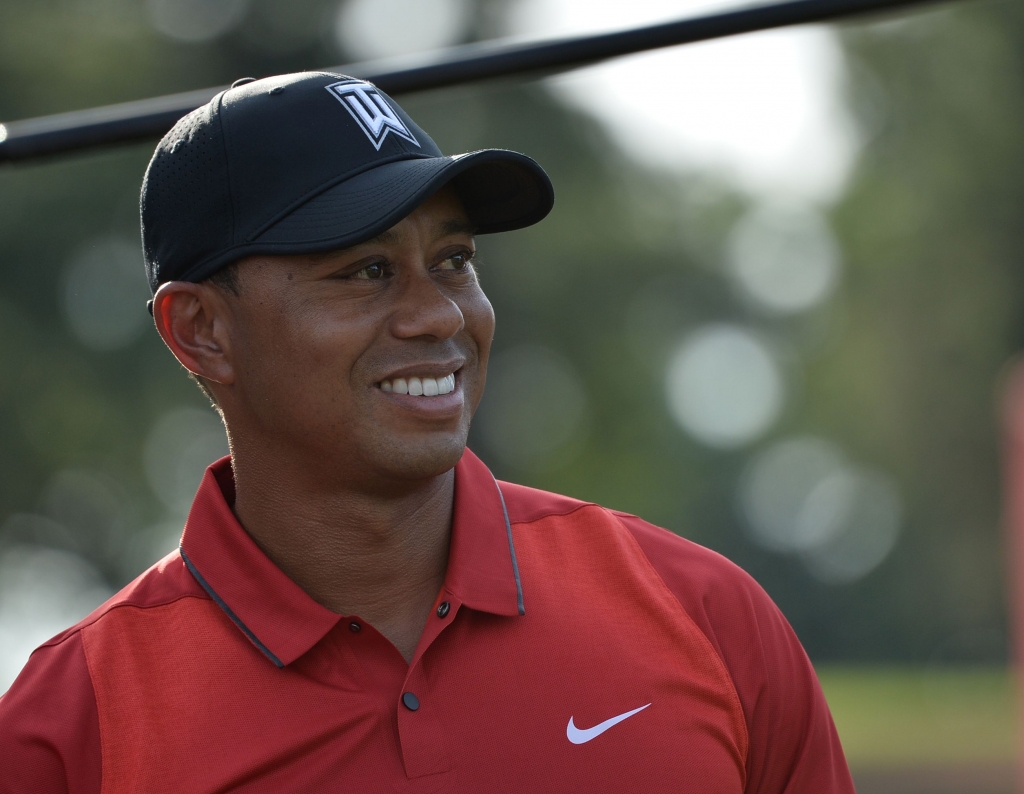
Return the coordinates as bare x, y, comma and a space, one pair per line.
421, 730
373, 660
440, 619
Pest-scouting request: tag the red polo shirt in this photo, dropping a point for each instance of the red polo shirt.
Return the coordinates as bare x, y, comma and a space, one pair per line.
571, 649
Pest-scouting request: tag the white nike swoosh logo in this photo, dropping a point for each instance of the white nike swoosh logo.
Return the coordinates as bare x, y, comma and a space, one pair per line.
577, 736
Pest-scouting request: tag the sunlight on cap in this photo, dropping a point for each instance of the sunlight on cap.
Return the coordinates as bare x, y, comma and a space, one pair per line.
367, 29
104, 294
534, 407
784, 258
196, 20
42, 592
724, 386
179, 447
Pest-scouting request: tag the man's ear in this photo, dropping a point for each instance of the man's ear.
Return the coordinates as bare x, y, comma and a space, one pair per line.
193, 320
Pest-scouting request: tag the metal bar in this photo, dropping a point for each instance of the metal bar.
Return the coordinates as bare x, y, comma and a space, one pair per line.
150, 118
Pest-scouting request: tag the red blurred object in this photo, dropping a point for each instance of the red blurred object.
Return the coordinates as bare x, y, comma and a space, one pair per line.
1013, 517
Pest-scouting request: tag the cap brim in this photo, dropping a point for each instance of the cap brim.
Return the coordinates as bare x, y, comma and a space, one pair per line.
500, 191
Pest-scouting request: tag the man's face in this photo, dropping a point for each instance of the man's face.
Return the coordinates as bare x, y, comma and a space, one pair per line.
370, 360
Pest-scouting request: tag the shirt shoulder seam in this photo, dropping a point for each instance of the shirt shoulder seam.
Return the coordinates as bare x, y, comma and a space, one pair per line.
64, 636
709, 645
557, 514
95, 698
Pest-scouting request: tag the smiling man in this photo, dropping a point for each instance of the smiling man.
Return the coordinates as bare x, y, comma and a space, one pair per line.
357, 604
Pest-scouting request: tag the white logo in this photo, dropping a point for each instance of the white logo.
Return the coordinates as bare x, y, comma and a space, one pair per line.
577, 736
371, 111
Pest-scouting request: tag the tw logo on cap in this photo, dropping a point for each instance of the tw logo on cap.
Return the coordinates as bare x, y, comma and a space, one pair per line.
371, 111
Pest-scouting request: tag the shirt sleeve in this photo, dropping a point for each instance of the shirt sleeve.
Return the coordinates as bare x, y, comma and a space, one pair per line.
49, 725
794, 747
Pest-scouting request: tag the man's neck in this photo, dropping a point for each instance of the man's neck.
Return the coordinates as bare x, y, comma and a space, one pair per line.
380, 557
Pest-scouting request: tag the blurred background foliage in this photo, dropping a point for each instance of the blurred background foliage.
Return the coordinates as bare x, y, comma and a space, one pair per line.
810, 390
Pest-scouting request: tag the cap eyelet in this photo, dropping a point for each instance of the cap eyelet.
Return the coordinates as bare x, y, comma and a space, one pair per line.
277, 89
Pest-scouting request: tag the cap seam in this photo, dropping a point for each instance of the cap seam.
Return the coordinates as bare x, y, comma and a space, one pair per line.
444, 173
227, 164
459, 163
328, 184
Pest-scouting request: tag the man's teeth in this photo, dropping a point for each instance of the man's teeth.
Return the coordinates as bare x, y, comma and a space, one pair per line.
420, 387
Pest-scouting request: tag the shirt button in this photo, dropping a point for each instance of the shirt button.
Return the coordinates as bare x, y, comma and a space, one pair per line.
442, 610
354, 627
410, 701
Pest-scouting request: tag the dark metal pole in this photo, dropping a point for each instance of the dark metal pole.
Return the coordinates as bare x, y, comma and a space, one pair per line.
151, 118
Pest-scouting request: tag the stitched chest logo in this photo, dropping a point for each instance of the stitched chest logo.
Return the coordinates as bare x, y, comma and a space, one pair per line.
371, 111
582, 736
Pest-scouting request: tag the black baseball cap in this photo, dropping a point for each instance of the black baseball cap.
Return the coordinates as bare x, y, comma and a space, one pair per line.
310, 162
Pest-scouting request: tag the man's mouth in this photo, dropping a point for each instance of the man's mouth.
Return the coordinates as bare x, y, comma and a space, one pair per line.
420, 387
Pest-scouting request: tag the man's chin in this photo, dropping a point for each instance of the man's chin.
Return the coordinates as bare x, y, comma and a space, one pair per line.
408, 459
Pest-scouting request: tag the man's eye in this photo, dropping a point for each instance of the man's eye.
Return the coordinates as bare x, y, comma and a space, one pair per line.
372, 272
457, 262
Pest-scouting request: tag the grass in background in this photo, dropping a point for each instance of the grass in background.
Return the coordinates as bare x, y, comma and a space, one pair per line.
891, 717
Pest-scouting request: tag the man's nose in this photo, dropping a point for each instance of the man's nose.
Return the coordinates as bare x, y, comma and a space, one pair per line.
425, 310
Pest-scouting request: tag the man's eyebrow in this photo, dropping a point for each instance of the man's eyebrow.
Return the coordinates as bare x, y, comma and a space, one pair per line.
456, 226
386, 237
443, 228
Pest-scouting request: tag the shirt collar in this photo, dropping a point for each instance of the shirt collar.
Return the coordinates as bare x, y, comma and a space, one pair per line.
279, 617
482, 567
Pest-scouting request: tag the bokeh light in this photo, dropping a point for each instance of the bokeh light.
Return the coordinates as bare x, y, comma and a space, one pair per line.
368, 29
801, 496
724, 385
534, 407
104, 294
784, 258
86, 501
869, 530
42, 592
97, 512
179, 447
195, 21
778, 486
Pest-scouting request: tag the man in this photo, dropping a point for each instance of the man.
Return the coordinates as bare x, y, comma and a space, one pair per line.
357, 605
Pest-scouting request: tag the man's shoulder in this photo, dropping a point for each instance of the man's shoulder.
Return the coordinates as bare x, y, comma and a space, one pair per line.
526, 505
674, 557
165, 582
681, 561
49, 720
